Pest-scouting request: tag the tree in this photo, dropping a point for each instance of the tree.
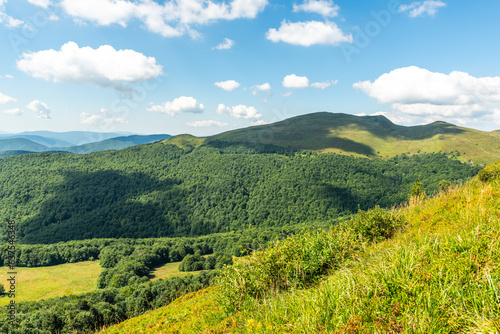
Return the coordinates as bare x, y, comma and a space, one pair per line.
418, 190
2, 289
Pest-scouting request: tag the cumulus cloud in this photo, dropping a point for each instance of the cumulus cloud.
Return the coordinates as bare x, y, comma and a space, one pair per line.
240, 111
322, 7
420, 92
173, 18
228, 85
183, 104
324, 84
309, 33
14, 111
200, 124
104, 119
104, 66
6, 99
40, 3
260, 122
294, 81
7, 20
41, 109
426, 8
257, 88
225, 45
8, 76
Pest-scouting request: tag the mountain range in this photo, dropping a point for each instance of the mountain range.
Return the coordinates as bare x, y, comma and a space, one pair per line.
368, 136
86, 142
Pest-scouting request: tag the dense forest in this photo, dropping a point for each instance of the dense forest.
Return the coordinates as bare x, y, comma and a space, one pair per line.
161, 190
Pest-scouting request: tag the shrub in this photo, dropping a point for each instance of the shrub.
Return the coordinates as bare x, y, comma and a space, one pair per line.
376, 224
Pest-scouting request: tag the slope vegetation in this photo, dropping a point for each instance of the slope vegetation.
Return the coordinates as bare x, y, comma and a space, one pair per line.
158, 190
372, 136
439, 274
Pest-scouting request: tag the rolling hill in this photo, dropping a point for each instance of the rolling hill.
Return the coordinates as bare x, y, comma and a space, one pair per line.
34, 144
438, 274
369, 136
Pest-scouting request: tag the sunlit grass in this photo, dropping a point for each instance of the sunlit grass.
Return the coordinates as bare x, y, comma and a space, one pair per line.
47, 282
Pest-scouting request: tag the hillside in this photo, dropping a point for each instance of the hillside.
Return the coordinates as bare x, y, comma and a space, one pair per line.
25, 144
371, 136
438, 274
159, 190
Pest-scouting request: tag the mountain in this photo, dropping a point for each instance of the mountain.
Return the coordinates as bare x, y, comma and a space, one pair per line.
25, 146
21, 144
436, 273
46, 141
369, 136
76, 138
116, 143
161, 190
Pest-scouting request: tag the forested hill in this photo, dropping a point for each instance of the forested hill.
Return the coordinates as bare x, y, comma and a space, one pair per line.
369, 136
159, 189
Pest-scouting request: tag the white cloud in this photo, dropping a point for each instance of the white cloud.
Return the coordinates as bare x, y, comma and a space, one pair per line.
322, 7
286, 94
264, 87
41, 109
228, 85
294, 81
260, 122
104, 66
308, 33
173, 18
104, 119
225, 45
417, 8
183, 104
420, 92
324, 84
199, 124
40, 3
6, 99
240, 111
8, 76
14, 111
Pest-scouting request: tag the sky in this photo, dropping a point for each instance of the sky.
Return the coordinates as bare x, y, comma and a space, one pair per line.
203, 67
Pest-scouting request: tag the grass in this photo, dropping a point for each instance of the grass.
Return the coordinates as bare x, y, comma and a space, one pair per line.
439, 275
169, 270
47, 282
375, 137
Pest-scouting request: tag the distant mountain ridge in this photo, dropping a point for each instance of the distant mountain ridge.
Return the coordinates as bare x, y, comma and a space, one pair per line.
371, 136
22, 145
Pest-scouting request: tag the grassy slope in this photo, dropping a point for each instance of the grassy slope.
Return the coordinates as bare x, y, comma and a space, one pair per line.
47, 282
441, 275
373, 136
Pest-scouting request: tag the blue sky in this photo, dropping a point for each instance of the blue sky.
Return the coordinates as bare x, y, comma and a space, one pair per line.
203, 67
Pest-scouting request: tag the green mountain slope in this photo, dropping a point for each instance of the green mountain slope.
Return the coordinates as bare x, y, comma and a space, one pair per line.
439, 274
372, 136
157, 190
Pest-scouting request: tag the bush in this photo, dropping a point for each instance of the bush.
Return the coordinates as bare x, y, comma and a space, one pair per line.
488, 175
376, 224
2, 289
302, 259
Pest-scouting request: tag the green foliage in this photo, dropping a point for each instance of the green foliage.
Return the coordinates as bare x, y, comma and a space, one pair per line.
487, 175
2, 289
160, 190
444, 185
302, 259
376, 225
91, 311
197, 262
418, 190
